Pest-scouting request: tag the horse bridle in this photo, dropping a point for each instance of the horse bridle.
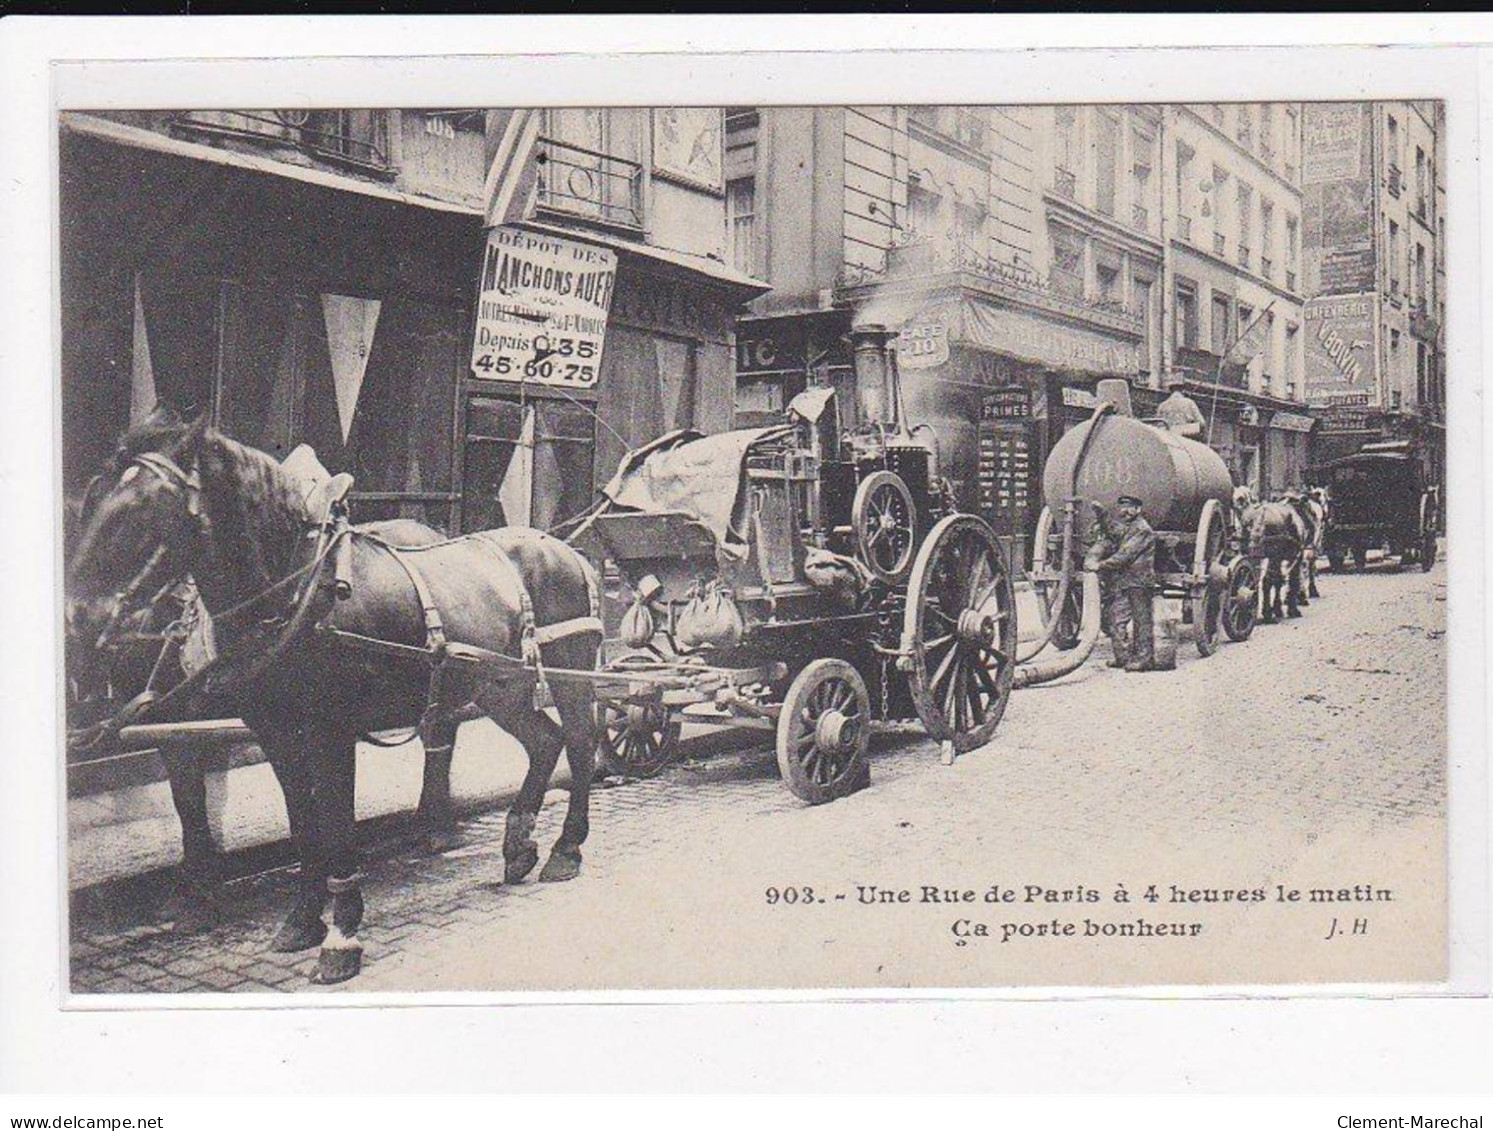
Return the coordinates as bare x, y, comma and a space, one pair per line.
189, 486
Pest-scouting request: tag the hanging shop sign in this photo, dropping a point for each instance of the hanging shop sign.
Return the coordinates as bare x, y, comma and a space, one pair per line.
1340, 362
1079, 398
1006, 404
1292, 422
923, 345
542, 309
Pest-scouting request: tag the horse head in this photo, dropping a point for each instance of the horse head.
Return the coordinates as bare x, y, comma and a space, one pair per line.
136, 523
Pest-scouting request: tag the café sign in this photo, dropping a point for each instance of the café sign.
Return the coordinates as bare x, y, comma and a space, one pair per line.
923, 345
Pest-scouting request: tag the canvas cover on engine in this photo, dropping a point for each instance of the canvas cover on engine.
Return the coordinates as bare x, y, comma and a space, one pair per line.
687, 473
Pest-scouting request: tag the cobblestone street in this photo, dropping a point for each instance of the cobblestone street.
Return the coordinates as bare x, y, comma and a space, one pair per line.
1311, 756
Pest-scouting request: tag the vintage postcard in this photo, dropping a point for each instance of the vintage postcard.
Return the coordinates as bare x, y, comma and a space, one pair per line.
895, 545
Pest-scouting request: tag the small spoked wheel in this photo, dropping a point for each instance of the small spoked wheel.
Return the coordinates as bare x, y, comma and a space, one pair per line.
824, 728
960, 632
1241, 604
885, 521
638, 738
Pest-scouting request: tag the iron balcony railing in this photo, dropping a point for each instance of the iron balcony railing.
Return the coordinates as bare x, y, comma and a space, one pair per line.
1394, 180
1065, 183
1290, 280
1244, 255
1219, 247
1140, 217
586, 183
1267, 266
357, 138
1184, 228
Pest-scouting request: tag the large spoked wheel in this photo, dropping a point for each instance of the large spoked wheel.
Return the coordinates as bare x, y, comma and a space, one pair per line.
885, 521
1205, 604
960, 632
824, 728
638, 738
1241, 602
1070, 616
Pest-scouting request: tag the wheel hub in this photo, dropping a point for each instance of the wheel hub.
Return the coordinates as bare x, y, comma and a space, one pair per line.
976, 627
831, 730
639, 716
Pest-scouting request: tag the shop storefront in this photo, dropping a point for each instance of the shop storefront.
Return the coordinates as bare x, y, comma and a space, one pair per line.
996, 374
289, 312
536, 450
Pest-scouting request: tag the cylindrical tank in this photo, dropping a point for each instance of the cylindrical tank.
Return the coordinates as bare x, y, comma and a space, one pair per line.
1171, 475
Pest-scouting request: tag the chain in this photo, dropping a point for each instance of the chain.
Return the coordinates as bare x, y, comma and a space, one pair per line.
886, 670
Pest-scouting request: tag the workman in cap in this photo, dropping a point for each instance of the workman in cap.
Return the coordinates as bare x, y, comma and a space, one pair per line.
1130, 572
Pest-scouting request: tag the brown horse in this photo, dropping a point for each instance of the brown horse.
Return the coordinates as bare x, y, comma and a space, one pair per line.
268, 572
142, 651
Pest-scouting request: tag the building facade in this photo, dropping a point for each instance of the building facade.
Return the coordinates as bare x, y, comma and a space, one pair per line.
1375, 257
1234, 228
1022, 254
311, 276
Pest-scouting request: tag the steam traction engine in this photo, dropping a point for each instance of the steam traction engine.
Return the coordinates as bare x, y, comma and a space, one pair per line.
805, 578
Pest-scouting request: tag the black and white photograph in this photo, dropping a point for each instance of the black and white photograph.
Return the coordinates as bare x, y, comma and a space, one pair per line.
758, 547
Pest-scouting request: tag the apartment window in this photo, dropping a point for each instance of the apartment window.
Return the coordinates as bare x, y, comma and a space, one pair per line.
1420, 373
922, 209
1270, 367
1108, 277
1392, 144
1142, 291
1106, 155
1267, 238
1394, 368
590, 165
1267, 133
1293, 142
969, 227
1222, 324
1141, 146
1185, 154
741, 221
1245, 200
1394, 259
1291, 372
1420, 274
1067, 262
1246, 127
1292, 236
1187, 315
1067, 154
1420, 182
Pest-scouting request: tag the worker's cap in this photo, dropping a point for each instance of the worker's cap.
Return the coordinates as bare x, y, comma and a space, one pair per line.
1129, 500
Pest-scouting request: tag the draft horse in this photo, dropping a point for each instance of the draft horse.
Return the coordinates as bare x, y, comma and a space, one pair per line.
151, 646
1274, 535
290, 595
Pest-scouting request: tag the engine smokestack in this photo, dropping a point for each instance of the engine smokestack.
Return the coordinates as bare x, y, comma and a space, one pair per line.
873, 373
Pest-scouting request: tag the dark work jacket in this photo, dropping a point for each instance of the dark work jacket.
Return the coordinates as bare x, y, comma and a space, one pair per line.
1133, 564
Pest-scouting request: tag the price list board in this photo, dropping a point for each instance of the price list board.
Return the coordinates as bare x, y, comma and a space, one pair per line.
1005, 466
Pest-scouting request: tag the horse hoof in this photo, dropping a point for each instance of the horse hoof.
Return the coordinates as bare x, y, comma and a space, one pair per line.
337, 964
519, 866
298, 934
442, 839
561, 866
1294, 613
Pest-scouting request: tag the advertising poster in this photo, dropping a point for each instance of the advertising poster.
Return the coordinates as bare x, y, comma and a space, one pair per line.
542, 311
1340, 365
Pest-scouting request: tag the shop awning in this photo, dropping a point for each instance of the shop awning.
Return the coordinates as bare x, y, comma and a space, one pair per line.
120, 134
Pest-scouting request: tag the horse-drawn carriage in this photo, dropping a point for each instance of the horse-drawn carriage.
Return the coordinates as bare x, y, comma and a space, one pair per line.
1187, 493
1381, 500
804, 578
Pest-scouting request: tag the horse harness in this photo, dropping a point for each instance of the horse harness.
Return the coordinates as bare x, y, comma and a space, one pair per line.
334, 533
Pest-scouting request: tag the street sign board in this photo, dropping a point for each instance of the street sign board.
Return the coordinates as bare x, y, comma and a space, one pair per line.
542, 309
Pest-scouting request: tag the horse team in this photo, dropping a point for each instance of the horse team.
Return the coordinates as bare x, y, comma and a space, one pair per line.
182, 514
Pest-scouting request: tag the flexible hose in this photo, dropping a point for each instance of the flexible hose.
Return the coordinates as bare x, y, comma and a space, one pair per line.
1059, 663
1031, 648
